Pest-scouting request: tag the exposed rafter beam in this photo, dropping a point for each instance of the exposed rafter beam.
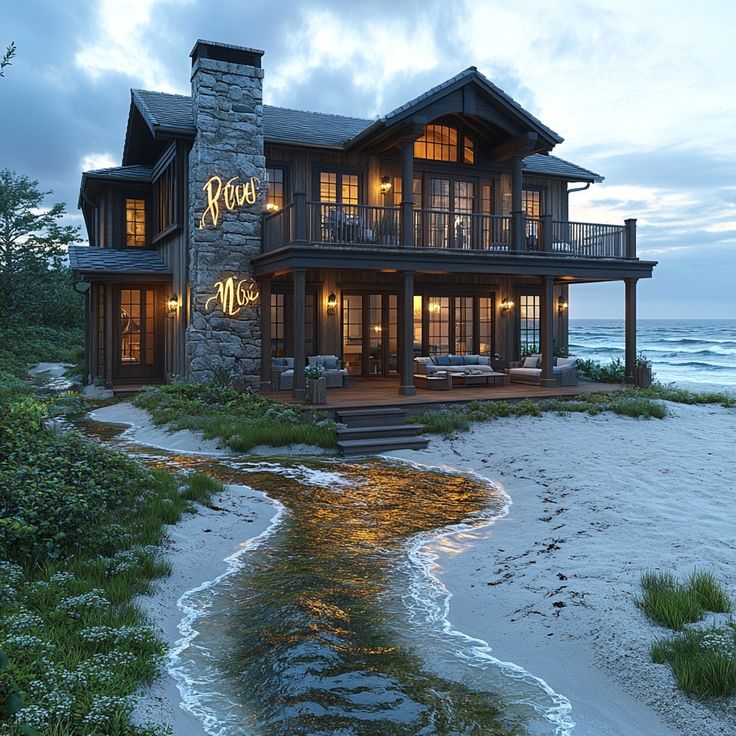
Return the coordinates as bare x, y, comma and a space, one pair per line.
521, 146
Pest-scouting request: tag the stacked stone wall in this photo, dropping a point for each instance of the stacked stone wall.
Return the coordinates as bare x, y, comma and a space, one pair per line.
228, 114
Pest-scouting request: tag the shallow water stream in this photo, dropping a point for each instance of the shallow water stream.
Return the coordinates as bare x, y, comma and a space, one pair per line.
332, 621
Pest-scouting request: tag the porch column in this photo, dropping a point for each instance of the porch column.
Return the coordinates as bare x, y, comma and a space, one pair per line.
518, 242
546, 330
407, 193
406, 334
630, 237
108, 336
630, 321
300, 332
265, 289
92, 330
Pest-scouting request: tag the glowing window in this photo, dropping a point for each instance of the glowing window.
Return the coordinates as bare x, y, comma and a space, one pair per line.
135, 223
275, 189
439, 143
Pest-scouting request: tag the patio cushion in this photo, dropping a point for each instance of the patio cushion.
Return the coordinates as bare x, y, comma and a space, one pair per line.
456, 359
531, 362
471, 359
442, 359
289, 362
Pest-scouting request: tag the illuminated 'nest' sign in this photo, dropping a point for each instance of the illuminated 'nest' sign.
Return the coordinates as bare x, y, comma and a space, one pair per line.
231, 194
232, 295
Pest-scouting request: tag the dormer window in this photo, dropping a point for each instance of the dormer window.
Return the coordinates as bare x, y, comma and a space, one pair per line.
135, 223
445, 143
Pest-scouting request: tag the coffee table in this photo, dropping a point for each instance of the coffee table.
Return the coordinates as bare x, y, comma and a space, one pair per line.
439, 381
465, 380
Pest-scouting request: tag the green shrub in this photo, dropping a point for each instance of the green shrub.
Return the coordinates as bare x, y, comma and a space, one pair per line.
683, 396
242, 420
667, 602
594, 370
709, 592
59, 494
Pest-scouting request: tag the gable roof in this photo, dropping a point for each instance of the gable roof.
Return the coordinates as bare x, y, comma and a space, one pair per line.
471, 74
173, 114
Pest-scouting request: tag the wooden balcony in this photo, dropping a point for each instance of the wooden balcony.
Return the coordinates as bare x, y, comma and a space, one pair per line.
383, 228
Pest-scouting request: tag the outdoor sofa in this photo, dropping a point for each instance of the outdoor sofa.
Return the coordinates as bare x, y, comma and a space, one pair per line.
467, 364
282, 371
529, 370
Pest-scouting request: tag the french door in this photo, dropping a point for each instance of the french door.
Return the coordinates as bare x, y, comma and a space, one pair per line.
137, 333
450, 223
370, 342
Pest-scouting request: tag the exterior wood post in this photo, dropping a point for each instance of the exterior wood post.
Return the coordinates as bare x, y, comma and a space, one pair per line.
518, 241
545, 242
630, 237
630, 320
300, 218
406, 334
546, 326
93, 318
407, 193
265, 289
108, 336
300, 332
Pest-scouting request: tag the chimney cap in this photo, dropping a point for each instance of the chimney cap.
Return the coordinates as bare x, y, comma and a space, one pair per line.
226, 52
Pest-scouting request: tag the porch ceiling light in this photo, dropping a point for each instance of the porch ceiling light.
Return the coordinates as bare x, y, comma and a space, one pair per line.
385, 185
331, 304
506, 306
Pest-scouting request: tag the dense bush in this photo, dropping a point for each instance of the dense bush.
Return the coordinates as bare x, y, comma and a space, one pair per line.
59, 494
21, 346
594, 370
242, 420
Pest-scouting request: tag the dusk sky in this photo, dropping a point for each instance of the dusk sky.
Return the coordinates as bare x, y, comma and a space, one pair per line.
643, 93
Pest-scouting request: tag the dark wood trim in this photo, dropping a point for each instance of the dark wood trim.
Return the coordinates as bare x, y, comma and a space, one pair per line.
406, 335
437, 260
300, 309
630, 328
546, 330
265, 314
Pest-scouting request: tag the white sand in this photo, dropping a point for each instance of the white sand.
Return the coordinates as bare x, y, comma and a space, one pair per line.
597, 500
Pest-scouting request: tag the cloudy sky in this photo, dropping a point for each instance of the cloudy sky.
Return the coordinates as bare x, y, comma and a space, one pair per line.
643, 92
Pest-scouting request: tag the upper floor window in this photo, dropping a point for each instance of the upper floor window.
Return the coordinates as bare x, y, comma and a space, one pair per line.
531, 202
445, 143
397, 189
135, 223
163, 196
275, 189
335, 186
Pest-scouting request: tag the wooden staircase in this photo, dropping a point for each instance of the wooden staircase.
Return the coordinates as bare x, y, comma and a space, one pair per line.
371, 431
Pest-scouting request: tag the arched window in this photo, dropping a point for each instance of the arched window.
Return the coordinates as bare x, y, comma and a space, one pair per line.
444, 143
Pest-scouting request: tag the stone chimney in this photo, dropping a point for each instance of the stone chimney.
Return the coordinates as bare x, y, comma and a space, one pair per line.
223, 334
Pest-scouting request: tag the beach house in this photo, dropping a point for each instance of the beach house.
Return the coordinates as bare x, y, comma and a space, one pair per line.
240, 239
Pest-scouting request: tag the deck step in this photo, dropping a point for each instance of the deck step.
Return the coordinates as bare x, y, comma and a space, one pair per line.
381, 444
377, 417
390, 430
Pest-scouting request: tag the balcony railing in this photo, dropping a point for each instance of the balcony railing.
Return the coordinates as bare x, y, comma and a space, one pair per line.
319, 223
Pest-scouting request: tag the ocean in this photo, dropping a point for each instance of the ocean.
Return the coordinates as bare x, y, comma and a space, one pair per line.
692, 353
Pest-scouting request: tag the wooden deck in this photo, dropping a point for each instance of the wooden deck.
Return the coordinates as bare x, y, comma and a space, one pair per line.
382, 392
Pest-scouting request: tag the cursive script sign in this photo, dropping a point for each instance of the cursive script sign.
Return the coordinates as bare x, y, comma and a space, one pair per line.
233, 295
228, 195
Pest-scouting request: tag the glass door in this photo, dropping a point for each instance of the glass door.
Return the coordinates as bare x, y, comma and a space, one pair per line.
370, 334
450, 222
137, 333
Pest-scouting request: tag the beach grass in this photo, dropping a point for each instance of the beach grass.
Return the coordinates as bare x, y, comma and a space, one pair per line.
79, 540
664, 392
459, 418
242, 420
703, 661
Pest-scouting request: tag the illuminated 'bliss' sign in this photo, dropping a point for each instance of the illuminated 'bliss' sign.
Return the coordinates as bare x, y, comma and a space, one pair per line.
228, 195
233, 295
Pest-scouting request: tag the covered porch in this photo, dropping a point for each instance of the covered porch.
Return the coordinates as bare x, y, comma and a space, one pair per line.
382, 392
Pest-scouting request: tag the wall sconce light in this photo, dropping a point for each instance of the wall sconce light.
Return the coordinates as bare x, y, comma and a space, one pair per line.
561, 305
433, 308
385, 185
173, 304
331, 305
506, 306
272, 207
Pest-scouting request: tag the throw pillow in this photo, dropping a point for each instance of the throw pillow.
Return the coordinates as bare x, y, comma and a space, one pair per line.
330, 362
289, 362
531, 362
456, 359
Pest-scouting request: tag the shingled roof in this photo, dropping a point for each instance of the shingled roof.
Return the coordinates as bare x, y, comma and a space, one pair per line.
83, 259
174, 113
